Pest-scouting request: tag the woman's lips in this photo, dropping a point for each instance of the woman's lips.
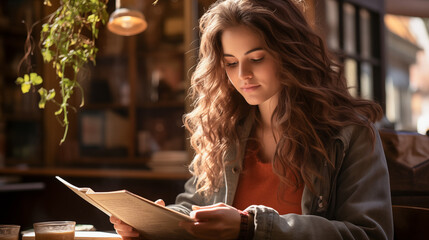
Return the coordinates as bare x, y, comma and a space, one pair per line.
249, 88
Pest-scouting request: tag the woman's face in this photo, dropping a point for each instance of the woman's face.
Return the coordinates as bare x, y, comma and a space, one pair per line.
250, 68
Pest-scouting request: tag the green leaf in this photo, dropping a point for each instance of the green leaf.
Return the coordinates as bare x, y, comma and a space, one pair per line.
19, 80
67, 83
25, 87
93, 18
42, 102
105, 16
45, 27
35, 79
59, 70
42, 92
38, 80
47, 56
95, 32
48, 41
51, 94
59, 111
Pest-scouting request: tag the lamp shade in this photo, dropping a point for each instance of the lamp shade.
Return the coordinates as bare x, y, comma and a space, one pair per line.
126, 22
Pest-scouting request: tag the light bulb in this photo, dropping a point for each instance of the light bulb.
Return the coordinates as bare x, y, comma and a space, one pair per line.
126, 22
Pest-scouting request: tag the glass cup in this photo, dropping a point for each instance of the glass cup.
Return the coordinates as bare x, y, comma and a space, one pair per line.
57, 230
9, 232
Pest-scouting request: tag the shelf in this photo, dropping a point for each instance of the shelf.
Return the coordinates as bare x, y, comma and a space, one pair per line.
105, 106
23, 117
95, 173
110, 59
148, 105
163, 104
164, 48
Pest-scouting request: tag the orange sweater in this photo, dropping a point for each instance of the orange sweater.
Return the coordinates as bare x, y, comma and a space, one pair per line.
258, 185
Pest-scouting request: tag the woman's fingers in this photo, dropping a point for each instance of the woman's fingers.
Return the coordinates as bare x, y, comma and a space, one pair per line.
127, 234
114, 219
218, 221
160, 202
217, 205
209, 230
126, 231
211, 211
123, 229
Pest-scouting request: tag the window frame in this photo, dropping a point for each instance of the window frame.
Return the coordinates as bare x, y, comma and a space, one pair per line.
377, 29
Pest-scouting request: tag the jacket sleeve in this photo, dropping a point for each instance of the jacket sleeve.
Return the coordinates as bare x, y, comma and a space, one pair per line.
189, 197
361, 206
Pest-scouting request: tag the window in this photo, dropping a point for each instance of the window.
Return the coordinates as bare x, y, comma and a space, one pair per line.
407, 75
354, 32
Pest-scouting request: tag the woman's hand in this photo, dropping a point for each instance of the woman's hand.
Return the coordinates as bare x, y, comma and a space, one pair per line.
219, 221
126, 231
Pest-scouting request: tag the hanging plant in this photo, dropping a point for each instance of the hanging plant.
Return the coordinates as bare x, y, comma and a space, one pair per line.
67, 43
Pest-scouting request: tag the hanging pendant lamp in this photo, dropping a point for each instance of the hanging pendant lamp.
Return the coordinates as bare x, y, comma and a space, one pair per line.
126, 22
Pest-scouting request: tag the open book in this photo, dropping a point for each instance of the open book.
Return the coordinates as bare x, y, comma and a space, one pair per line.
153, 221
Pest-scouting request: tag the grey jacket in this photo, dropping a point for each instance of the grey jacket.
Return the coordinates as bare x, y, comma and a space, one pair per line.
353, 204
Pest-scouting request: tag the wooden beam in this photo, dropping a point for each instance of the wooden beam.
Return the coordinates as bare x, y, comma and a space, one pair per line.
95, 173
416, 8
374, 5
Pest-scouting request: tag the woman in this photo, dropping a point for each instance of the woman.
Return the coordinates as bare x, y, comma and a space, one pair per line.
283, 151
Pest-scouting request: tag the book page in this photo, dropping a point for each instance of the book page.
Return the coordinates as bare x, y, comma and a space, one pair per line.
153, 221
82, 193
150, 219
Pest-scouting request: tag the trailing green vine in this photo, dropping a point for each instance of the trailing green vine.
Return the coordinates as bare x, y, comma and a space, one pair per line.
67, 42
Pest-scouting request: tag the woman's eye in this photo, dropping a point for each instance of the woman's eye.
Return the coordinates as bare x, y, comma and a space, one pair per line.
231, 64
257, 59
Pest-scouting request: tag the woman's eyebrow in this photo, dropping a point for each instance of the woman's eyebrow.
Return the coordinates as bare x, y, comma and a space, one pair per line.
250, 51
255, 49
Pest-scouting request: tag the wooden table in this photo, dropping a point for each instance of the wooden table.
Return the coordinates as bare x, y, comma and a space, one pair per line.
83, 235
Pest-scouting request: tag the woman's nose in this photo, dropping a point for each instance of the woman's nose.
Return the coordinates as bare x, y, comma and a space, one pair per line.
245, 71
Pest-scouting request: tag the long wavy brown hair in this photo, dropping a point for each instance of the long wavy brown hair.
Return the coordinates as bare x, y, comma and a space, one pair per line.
314, 103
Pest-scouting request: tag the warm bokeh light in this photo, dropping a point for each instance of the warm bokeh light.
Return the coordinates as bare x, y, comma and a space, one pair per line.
127, 22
